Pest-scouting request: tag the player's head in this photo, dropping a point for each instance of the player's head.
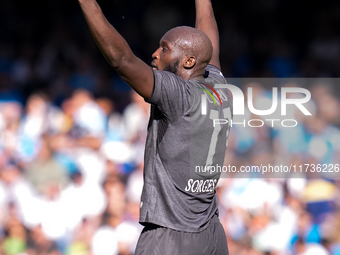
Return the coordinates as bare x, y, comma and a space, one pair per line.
183, 50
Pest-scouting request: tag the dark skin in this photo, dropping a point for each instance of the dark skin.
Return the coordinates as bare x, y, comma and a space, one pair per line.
183, 51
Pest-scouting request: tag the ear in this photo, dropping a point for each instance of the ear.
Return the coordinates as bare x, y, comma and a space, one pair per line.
190, 62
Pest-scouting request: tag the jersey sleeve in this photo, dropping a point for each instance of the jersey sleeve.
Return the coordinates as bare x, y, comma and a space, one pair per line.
171, 94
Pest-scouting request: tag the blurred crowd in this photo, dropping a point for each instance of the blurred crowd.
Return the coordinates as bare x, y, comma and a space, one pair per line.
71, 177
72, 133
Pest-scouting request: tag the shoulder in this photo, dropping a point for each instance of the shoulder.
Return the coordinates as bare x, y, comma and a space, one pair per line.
171, 94
169, 79
212, 72
168, 86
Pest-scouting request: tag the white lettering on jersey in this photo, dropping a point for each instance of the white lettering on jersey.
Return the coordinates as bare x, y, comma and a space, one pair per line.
198, 186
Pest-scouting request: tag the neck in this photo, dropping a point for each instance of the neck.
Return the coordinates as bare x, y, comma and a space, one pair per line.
192, 74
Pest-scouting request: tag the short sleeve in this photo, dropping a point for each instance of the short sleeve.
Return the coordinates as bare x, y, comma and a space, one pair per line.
171, 94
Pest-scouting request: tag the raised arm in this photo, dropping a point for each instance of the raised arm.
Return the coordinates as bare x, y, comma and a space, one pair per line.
116, 50
205, 21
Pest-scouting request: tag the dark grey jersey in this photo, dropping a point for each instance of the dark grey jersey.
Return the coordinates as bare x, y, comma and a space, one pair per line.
187, 138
